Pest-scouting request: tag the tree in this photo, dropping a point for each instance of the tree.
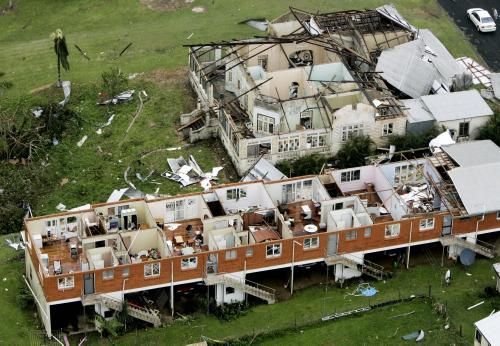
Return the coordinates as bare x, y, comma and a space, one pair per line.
410, 141
491, 130
61, 52
309, 164
354, 151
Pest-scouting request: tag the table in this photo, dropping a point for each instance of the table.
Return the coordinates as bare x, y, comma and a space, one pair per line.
179, 239
310, 228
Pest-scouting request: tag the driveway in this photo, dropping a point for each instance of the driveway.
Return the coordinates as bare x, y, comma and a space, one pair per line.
487, 44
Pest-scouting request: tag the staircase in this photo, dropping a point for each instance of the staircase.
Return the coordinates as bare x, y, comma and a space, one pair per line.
480, 247
266, 293
369, 268
139, 312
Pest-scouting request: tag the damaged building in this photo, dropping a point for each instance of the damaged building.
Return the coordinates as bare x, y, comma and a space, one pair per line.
307, 87
316, 80
149, 252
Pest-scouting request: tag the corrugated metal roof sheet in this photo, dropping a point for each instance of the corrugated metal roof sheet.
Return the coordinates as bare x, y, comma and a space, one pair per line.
416, 111
478, 190
474, 153
264, 170
457, 105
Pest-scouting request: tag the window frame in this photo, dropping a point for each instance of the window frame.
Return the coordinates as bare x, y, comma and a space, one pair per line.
350, 131
154, 271
188, 263
249, 252
289, 144
231, 255
310, 243
108, 274
349, 176
461, 126
389, 231
317, 140
387, 129
367, 230
265, 123
426, 224
351, 235
65, 283
275, 250
235, 194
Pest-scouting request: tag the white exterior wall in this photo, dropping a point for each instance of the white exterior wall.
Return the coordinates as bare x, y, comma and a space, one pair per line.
474, 125
42, 307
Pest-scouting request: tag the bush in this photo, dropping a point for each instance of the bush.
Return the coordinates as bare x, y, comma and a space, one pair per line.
113, 82
413, 141
228, 312
310, 164
354, 151
491, 130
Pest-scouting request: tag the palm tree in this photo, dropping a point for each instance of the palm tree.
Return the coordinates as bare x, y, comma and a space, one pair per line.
62, 53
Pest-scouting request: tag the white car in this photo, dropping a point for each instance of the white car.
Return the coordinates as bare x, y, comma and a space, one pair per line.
481, 20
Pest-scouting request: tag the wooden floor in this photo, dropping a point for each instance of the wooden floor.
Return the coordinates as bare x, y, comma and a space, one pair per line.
60, 250
187, 237
294, 211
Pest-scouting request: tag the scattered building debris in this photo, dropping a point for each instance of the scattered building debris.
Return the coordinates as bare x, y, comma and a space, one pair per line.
81, 141
189, 172
189, 37
82, 52
263, 170
61, 207
480, 75
475, 305
441, 140
363, 290
402, 315
199, 9
416, 336
125, 49
122, 97
37, 112
15, 245
257, 23
66, 86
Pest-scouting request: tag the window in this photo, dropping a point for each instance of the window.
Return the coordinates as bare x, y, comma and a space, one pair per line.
463, 129
125, 272
349, 131
311, 243
316, 140
189, 263
229, 290
273, 250
392, 230
306, 118
262, 61
235, 194
257, 149
479, 337
152, 270
351, 235
108, 274
368, 232
231, 255
249, 252
348, 176
122, 207
66, 282
426, 224
498, 215
265, 123
289, 144
239, 84
408, 172
387, 129
230, 76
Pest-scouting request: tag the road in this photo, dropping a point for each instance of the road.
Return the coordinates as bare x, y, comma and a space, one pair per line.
487, 44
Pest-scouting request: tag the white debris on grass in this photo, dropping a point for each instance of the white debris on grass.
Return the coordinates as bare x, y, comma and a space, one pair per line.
81, 141
189, 172
61, 207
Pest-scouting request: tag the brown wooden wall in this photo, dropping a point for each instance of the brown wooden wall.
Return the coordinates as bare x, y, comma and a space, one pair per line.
377, 240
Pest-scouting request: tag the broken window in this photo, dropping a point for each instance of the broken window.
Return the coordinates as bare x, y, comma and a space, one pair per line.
66, 282
350, 131
229, 290
265, 123
294, 90
406, 173
306, 118
463, 129
387, 129
258, 149
189, 263
262, 61
316, 140
151, 270
289, 144
348, 176
301, 58
273, 250
392, 230
235, 194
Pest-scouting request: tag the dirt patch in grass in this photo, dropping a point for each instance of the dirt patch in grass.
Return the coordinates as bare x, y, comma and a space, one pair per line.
165, 5
164, 77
